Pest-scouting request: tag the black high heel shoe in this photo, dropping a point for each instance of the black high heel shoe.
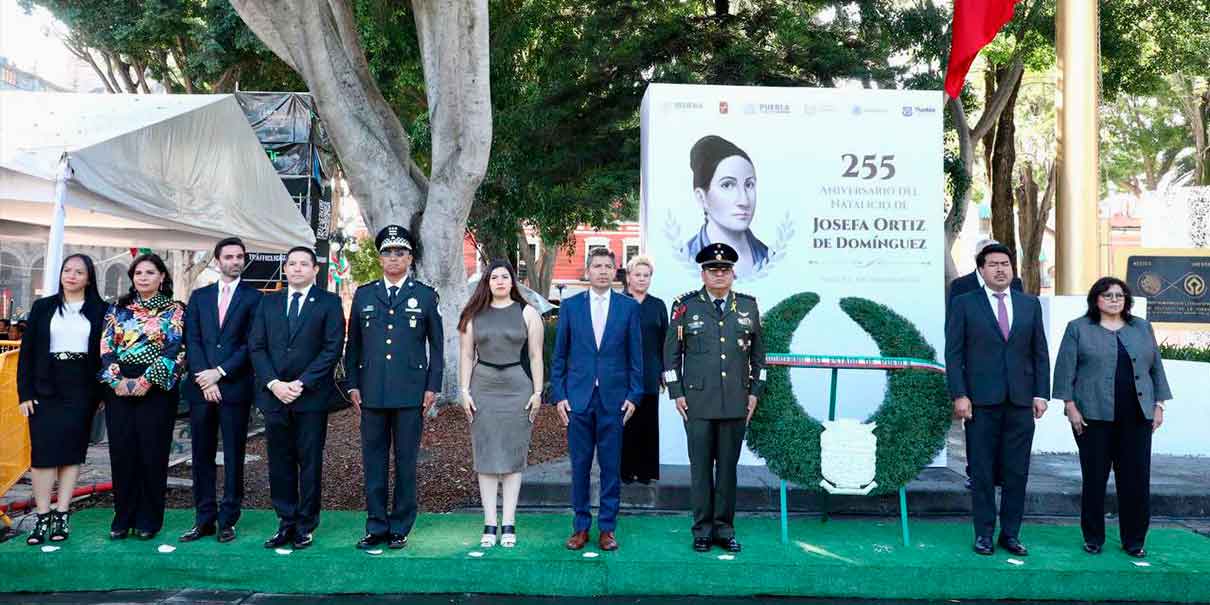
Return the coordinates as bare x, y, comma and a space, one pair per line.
61, 528
41, 529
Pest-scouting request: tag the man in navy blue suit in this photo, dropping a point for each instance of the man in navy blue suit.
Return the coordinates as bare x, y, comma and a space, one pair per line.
217, 322
998, 373
297, 336
596, 376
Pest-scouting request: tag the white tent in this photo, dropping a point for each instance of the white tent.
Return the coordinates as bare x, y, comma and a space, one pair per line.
155, 171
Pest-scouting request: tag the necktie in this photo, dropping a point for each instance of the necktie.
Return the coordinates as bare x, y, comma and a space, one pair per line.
598, 318
224, 299
1001, 314
295, 305
718, 304
391, 296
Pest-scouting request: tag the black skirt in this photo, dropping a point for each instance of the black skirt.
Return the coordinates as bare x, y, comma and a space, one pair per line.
60, 425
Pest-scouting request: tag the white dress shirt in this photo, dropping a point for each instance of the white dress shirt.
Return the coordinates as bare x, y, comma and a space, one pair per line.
599, 305
302, 300
69, 332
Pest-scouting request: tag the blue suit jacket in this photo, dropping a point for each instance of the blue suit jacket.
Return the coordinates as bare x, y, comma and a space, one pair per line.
616, 368
982, 365
208, 346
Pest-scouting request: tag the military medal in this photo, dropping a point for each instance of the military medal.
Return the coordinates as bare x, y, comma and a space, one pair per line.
412, 321
412, 303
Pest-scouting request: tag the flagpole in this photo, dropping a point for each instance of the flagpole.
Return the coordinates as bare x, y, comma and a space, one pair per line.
54, 244
1077, 110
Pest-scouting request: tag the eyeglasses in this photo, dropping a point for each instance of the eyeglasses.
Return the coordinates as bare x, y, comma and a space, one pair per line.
396, 252
1113, 296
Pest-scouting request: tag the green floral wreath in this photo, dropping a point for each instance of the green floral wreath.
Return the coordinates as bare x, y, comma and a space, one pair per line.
912, 421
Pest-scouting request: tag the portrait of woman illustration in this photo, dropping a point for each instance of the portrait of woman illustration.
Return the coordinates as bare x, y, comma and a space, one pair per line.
724, 186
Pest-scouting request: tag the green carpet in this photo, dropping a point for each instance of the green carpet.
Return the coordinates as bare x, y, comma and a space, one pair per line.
840, 558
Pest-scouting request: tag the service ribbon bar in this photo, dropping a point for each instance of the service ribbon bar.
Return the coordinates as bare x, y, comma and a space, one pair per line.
853, 363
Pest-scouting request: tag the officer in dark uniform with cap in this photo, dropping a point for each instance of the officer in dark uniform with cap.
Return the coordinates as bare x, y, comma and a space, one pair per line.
393, 364
714, 363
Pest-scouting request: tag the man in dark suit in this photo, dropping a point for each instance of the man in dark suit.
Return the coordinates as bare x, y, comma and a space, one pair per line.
969, 283
393, 365
217, 322
998, 373
296, 341
596, 376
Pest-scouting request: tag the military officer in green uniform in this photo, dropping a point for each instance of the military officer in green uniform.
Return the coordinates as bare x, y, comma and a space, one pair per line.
393, 363
714, 364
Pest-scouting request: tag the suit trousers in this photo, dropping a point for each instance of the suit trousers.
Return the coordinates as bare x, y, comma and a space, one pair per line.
1123, 444
714, 448
597, 431
998, 443
207, 421
140, 439
384, 430
296, 451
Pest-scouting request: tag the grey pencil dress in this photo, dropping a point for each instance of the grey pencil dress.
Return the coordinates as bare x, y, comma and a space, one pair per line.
500, 432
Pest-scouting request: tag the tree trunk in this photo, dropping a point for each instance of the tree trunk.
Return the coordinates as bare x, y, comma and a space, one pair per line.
540, 268
1193, 108
1035, 210
967, 136
319, 40
1004, 158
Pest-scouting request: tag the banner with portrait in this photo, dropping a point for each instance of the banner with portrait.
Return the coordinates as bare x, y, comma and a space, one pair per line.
834, 191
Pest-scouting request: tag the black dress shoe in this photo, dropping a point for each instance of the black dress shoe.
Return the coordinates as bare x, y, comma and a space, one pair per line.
282, 538
145, 535
398, 541
702, 544
983, 546
302, 541
370, 541
729, 544
1014, 546
197, 532
226, 533
118, 534
1136, 552
1092, 549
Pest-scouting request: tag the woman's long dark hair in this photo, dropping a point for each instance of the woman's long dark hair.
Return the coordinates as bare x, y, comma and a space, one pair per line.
1102, 286
91, 294
165, 285
481, 298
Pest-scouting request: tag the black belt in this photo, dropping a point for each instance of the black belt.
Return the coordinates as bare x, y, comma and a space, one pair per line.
68, 356
500, 366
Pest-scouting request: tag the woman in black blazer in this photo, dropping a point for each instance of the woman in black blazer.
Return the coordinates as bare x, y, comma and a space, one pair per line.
56, 366
641, 436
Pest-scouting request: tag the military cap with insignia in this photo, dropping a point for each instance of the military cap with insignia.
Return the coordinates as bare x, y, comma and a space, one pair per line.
716, 255
393, 236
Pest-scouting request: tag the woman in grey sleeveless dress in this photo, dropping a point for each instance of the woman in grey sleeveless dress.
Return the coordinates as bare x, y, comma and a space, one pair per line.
500, 335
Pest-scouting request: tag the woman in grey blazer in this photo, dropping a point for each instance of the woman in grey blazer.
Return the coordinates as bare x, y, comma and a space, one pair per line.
1110, 374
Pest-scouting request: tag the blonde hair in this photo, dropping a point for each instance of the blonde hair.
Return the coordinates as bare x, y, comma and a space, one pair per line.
641, 259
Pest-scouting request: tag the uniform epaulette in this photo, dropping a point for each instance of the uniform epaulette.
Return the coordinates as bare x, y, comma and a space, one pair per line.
420, 283
743, 295
683, 297
368, 284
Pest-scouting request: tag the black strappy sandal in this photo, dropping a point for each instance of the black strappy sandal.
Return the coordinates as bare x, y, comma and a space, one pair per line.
41, 529
489, 537
61, 528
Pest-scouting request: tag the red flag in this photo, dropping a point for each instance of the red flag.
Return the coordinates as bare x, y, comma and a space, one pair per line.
976, 22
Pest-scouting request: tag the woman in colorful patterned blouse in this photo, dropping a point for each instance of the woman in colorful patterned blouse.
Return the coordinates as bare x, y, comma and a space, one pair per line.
142, 356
